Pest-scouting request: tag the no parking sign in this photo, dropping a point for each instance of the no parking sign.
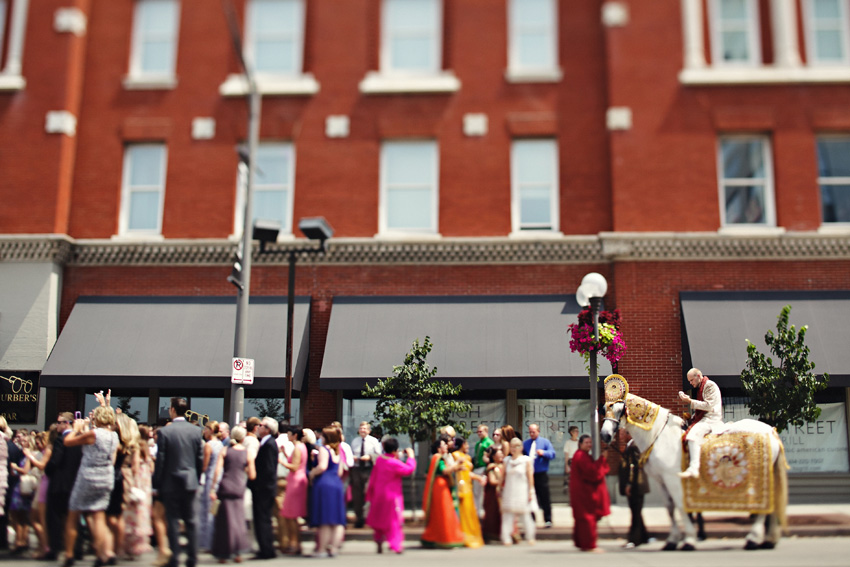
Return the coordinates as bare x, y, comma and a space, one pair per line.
242, 371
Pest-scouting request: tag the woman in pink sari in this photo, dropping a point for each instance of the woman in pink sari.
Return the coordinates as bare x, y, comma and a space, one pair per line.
385, 497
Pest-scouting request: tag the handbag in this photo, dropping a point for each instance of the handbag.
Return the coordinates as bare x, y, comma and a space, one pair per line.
533, 506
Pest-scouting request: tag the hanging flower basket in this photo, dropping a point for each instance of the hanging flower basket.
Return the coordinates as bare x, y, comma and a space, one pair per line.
610, 344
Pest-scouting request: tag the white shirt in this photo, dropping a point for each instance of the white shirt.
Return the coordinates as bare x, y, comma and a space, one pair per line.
570, 448
371, 446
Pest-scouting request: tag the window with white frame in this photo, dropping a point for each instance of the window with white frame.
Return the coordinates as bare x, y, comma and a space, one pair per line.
153, 54
735, 33
746, 182
4, 10
834, 177
534, 185
273, 187
143, 189
409, 187
532, 36
275, 36
826, 32
412, 40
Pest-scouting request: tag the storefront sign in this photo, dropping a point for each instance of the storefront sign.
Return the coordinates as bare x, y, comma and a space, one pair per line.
815, 447
555, 417
492, 413
19, 396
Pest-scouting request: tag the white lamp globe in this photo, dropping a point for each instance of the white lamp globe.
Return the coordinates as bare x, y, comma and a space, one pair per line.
581, 296
595, 285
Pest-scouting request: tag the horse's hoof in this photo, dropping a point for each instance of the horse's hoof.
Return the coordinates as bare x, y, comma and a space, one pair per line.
751, 545
688, 547
767, 545
671, 546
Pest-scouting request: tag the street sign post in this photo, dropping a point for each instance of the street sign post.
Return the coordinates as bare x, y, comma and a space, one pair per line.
242, 371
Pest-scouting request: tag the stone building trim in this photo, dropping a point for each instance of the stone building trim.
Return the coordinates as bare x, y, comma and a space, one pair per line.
604, 247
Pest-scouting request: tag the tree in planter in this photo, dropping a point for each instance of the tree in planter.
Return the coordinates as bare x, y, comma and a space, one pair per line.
782, 395
412, 402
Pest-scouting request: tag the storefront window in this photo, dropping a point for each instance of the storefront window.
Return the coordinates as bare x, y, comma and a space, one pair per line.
134, 406
273, 407
555, 418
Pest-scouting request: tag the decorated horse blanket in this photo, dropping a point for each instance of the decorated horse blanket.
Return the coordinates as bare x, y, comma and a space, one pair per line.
736, 475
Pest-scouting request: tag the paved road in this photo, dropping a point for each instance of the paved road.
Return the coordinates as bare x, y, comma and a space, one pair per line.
792, 552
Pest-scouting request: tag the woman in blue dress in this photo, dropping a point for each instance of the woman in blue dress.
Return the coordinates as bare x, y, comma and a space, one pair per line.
327, 498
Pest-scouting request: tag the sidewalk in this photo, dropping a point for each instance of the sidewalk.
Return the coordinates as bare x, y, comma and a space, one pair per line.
809, 520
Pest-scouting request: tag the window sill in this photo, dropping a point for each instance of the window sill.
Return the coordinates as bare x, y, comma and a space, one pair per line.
146, 237
408, 236
536, 234
237, 85
763, 75
537, 76
12, 83
835, 228
383, 83
139, 83
751, 230
281, 238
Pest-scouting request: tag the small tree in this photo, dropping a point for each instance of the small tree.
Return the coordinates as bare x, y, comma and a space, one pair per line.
782, 395
269, 407
411, 402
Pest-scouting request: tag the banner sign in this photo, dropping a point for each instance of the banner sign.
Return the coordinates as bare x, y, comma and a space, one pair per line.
555, 417
815, 447
19, 396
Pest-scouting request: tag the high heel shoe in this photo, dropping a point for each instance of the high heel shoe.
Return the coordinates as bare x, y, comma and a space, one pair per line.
69, 562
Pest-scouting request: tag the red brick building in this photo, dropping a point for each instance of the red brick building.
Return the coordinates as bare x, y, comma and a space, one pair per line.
475, 158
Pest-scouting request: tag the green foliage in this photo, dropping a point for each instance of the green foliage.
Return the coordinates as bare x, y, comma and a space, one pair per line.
412, 402
269, 407
783, 395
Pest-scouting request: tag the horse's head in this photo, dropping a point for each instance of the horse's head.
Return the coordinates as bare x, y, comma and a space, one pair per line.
613, 413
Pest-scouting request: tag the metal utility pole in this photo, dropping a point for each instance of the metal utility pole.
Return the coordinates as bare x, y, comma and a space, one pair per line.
243, 294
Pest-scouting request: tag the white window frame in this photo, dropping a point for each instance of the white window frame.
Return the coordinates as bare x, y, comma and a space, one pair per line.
385, 189
137, 77
388, 34
297, 37
516, 72
289, 186
549, 145
127, 191
830, 181
15, 13
811, 30
766, 182
753, 29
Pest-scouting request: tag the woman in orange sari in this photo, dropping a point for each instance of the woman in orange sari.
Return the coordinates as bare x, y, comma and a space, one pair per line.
442, 528
464, 477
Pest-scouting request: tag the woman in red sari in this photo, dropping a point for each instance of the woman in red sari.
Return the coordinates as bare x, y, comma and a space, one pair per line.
588, 494
442, 527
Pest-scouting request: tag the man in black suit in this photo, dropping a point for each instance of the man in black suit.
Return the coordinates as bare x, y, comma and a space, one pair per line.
176, 478
61, 469
264, 487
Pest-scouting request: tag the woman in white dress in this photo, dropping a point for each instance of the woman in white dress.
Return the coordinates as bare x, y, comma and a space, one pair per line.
518, 493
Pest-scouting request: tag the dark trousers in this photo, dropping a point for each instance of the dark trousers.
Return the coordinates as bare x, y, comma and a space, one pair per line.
261, 504
541, 487
358, 479
57, 514
637, 532
182, 506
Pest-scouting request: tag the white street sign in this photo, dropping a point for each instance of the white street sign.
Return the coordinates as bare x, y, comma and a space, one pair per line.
242, 371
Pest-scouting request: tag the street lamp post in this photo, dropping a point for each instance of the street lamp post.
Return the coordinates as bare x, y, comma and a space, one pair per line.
590, 293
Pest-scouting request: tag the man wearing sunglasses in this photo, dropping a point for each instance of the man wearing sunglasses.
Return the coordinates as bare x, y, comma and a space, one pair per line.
61, 469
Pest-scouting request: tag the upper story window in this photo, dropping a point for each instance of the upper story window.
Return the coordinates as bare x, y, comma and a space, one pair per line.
734, 37
739, 28
153, 53
275, 36
273, 187
534, 185
142, 190
411, 53
533, 41
826, 32
274, 45
746, 182
13, 24
834, 178
409, 188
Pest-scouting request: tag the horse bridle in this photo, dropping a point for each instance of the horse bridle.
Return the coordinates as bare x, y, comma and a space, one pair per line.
644, 456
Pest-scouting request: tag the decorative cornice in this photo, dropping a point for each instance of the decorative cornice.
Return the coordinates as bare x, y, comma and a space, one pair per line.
590, 249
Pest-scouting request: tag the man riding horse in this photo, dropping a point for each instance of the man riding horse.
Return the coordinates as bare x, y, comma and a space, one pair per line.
707, 418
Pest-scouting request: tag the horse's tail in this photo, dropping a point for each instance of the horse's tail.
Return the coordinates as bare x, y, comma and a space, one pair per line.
780, 488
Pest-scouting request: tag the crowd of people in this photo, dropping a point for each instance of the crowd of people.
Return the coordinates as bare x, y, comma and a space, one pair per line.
111, 486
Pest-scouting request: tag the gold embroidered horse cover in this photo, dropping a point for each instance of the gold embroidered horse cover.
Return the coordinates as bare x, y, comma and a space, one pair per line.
735, 475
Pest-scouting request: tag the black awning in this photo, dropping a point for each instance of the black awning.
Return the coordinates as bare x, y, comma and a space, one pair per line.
717, 324
483, 342
174, 342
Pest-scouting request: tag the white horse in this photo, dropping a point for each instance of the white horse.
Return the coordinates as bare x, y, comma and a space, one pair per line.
664, 440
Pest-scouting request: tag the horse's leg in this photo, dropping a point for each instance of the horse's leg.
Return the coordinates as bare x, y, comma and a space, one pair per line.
756, 536
690, 531
774, 532
674, 536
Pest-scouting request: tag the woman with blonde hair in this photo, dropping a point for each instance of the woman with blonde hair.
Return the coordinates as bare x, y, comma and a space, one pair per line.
92, 488
38, 517
212, 448
234, 466
327, 499
136, 477
518, 496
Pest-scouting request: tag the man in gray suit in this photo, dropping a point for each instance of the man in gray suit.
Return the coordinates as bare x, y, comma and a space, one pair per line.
176, 478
